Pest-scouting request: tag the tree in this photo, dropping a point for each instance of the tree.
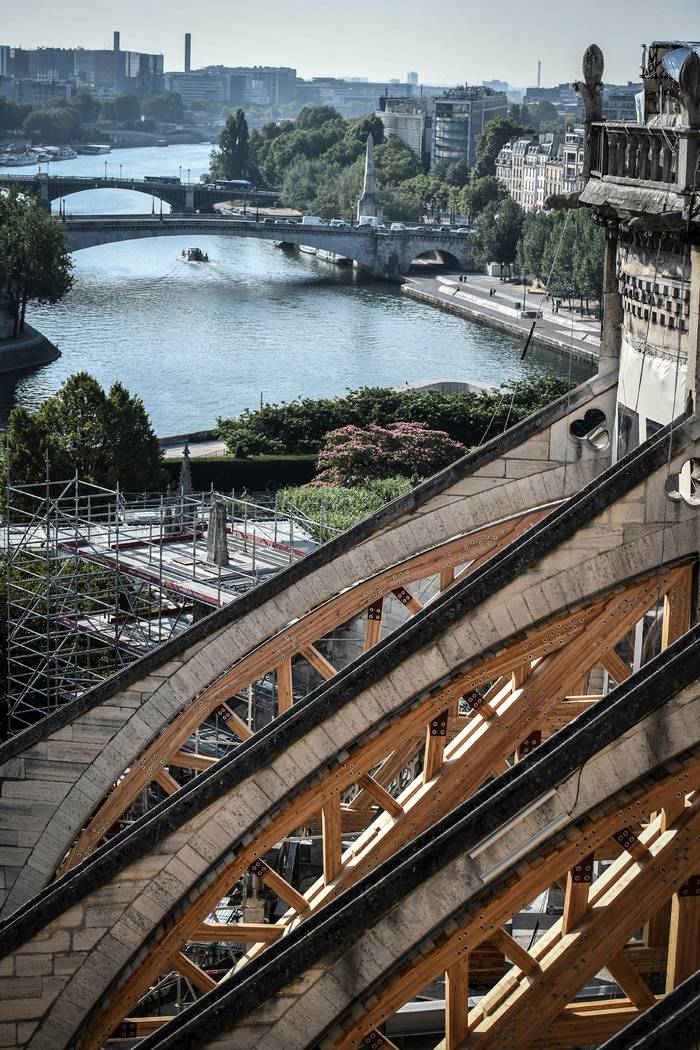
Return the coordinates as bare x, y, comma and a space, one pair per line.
395, 162
455, 173
87, 107
532, 250
126, 107
163, 106
497, 232
35, 261
13, 114
492, 140
54, 127
432, 192
480, 192
312, 117
353, 455
107, 439
231, 160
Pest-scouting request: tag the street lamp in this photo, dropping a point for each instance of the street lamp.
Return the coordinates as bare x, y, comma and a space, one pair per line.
180, 172
120, 172
105, 169
188, 176
524, 288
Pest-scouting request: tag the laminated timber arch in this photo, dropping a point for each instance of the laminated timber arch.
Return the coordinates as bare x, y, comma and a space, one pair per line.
99, 918
331, 982
56, 775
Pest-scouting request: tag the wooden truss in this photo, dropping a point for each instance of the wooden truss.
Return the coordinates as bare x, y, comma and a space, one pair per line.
533, 1004
466, 552
492, 713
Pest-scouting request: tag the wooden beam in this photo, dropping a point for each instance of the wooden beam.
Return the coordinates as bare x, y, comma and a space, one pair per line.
373, 626
379, 795
456, 1002
255, 932
318, 662
285, 696
684, 934
192, 760
677, 609
168, 782
406, 598
193, 973
435, 740
235, 724
632, 983
332, 838
615, 666
447, 578
578, 881
284, 890
514, 951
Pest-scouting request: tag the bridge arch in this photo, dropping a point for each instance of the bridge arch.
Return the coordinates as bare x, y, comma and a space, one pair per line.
92, 196
443, 257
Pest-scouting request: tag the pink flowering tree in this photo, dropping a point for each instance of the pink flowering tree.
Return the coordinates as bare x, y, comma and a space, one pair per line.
352, 455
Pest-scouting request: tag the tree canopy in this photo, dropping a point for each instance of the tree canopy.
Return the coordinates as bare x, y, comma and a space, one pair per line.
497, 233
492, 140
35, 262
232, 159
163, 106
106, 438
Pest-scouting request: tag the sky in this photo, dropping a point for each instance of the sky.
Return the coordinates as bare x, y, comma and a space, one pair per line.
455, 41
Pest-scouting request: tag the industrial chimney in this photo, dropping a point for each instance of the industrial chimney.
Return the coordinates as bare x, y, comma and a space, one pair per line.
117, 40
539, 74
188, 51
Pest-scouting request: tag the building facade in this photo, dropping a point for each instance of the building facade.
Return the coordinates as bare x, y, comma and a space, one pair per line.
442, 127
533, 169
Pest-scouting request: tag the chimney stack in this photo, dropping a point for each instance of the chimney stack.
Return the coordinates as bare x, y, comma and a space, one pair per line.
539, 73
117, 40
188, 52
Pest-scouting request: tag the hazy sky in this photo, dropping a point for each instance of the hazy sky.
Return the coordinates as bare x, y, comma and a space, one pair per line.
445, 42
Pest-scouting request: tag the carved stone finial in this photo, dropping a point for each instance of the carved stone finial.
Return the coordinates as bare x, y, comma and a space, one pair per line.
591, 89
689, 84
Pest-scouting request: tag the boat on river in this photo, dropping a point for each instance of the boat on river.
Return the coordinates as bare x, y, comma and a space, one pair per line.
94, 149
307, 249
332, 257
194, 255
19, 160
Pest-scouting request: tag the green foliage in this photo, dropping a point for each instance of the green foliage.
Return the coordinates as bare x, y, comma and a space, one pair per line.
497, 233
492, 139
564, 252
394, 163
123, 109
35, 262
106, 438
454, 173
163, 106
87, 107
13, 114
338, 508
479, 192
52, 126
301, 426
429, 189
313, 117
231, 160
542, 116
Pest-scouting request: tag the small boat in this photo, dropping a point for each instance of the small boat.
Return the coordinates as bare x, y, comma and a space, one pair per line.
93, 149
55, 153
332, 257
194, 255
161, 142
18, 160
307, 249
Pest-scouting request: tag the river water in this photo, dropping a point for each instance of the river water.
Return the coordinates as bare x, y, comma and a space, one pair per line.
196, 342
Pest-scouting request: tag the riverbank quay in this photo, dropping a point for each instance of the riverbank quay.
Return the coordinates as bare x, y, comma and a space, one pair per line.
566, 332
29, 350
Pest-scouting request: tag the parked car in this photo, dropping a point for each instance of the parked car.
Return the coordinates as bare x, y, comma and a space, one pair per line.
397, 226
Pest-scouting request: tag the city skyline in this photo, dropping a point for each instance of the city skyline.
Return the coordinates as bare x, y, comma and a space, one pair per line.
318, 40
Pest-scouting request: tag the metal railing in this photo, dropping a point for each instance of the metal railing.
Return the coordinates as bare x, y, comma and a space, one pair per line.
643, 153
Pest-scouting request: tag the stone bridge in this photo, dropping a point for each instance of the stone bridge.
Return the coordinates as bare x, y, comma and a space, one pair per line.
384, 253
181, 196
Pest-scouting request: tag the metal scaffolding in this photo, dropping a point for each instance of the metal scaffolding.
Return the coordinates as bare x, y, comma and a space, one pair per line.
96, 578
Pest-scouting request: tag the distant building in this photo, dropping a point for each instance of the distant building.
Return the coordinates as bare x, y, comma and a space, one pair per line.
496, 85
620, 102
442, 127
562, 96
40, 92
412, 78
200, 86
533, 168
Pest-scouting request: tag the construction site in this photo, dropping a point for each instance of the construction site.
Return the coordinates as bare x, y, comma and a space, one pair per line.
430, 783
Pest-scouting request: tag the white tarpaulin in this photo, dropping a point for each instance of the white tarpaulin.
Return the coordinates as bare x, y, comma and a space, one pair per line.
651, 392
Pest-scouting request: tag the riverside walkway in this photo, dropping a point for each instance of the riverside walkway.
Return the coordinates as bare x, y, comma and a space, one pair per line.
564, 331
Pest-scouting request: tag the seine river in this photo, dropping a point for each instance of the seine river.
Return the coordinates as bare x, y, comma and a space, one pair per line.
197, 342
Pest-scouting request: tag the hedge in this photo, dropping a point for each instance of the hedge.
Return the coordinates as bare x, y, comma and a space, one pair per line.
257, 473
